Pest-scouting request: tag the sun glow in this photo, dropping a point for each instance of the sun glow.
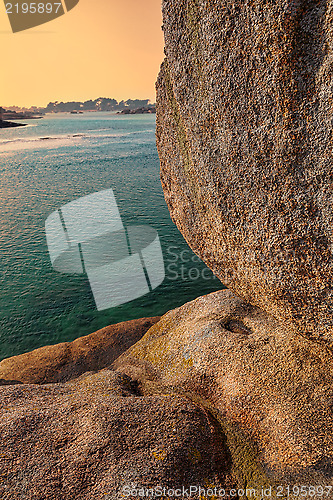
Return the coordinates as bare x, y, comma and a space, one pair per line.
102, 48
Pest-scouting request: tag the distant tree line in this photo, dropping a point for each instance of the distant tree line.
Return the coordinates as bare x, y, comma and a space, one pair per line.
100, 104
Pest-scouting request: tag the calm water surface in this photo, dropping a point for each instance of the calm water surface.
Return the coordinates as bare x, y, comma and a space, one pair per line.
49, 163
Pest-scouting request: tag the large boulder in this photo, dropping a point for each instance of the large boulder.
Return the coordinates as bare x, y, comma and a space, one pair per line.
244, 135
271, 390
68, 360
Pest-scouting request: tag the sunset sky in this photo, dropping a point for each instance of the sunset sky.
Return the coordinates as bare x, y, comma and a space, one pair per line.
101, 48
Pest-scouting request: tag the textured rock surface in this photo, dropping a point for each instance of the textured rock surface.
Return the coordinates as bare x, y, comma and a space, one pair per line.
90, 438
244, 135
61, 362
271, 391
215, 393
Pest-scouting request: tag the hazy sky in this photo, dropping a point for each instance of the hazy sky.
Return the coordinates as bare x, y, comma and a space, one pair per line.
101, 48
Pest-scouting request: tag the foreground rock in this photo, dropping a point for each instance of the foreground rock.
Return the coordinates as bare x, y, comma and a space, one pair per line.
271, 391
244, 135
217, 393
61, 362
96, 438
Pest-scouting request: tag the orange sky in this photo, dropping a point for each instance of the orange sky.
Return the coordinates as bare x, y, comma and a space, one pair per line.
101, 48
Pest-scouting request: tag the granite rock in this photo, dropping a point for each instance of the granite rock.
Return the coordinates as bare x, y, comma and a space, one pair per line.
244, 136
62, 362
271, 390
96, 437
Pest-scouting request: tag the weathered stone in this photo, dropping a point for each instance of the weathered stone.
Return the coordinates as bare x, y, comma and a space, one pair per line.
61, 362
92, 437
271, 390
244, 135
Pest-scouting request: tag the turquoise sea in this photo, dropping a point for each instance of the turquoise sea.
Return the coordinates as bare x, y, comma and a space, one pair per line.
49, 163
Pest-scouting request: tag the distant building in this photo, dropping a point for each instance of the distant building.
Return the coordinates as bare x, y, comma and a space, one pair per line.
1, 113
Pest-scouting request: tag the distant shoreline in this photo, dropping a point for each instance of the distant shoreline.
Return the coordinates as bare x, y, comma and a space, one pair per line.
140, 111
5, 124
99, 104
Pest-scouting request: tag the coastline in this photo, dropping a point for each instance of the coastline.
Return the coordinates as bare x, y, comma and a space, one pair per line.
5, 124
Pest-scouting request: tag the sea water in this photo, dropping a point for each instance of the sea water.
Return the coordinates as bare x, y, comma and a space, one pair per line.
54, 161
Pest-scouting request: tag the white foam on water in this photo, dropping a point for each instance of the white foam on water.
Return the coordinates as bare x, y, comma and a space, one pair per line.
43, 142
64, 140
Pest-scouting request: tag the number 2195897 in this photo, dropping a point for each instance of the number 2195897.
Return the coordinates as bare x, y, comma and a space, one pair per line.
33, 8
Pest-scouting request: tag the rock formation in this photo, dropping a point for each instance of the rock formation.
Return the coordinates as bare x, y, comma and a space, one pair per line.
244, 135
215, 394
5, 124
234, 389
96, 438
68, 360
270, 390
96, 435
